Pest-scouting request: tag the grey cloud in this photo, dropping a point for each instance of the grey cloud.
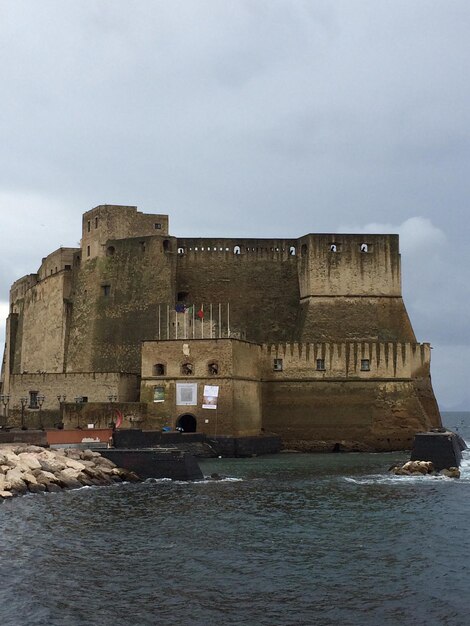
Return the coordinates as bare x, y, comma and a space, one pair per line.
255, 118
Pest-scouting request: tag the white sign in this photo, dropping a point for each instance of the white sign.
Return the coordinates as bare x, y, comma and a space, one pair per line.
186, 394
210, 395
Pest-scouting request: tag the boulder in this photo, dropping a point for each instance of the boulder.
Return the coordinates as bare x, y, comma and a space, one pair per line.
29, 460
451, 472
72, 463
52, 465
36, 488
6, 494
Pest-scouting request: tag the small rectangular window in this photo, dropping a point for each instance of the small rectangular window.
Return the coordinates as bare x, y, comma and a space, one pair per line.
67, 267
158, 226
89, 226
321, 365
88, 250
277, 365
96, 222
365, 365
106, 290
33, 400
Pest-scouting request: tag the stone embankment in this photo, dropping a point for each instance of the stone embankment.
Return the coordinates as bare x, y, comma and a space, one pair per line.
32, 469
416, 468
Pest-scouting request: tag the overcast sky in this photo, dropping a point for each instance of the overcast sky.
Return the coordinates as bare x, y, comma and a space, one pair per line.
258, 118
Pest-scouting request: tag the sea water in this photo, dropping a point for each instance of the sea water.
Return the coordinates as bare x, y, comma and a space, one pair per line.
288, 539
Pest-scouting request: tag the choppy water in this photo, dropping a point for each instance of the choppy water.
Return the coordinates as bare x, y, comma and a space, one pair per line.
289, 539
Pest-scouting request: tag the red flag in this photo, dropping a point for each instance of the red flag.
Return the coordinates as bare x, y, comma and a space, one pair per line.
200, 314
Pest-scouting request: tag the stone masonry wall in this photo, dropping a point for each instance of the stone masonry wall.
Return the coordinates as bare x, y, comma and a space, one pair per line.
260, 283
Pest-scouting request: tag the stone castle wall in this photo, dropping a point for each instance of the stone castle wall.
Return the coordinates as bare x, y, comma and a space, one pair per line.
330, 297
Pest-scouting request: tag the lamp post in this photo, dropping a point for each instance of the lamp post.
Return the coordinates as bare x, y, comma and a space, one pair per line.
40, 400
78, 401
60, 398
5, 400
112, 398
24, 402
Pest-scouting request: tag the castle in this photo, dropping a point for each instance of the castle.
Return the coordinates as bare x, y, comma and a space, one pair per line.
308, 338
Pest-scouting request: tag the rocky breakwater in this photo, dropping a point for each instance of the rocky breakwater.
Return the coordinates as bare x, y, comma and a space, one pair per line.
32, 469
422, 468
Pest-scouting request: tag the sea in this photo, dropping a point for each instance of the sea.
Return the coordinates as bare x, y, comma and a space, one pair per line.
288, 539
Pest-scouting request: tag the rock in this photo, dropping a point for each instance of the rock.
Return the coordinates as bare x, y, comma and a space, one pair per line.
14, 478
73, 453
6, 494
37, 488
89, 455
68, 478
74, 464
451, 472
30, 460
52, 465
30, 479
53, 487
101, 461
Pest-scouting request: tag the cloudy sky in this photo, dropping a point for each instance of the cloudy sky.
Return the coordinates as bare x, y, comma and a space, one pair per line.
248, 118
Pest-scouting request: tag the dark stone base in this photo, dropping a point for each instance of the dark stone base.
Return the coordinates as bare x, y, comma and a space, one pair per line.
246, 446
173, 464
32, 437
221, 446
443, 448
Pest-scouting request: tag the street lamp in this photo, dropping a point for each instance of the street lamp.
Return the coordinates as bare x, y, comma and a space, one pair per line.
5, 400
60, 398
78, 401
40, 401
24, 402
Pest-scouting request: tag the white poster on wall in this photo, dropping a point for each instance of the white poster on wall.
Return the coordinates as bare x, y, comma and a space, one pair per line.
209, 400
186, 394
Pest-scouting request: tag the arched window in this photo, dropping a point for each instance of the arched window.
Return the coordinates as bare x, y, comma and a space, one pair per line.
303, 250
213, 368
110, 251
187, 369
236, 250
333, 247
166, 245
364, 247
292, 251
159, 369
180, 250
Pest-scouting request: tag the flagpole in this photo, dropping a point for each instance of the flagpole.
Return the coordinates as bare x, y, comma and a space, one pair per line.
210, 318
176, 324
228, 319
159, 322
220, 327
202, 321
184, 324
167, 321
194, 307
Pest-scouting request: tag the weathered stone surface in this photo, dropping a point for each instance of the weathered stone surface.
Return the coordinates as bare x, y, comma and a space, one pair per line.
72, 463
6, 494
52, 465
36, 488
30, 460
451, 472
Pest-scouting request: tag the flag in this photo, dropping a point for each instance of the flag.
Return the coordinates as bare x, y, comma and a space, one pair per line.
200, 313
180, 307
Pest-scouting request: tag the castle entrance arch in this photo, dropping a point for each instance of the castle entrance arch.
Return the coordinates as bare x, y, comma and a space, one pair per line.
187, 422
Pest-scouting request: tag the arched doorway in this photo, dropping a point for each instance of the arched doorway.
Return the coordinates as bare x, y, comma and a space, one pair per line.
187, 422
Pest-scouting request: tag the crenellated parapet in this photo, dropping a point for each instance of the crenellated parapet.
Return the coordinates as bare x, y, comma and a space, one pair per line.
346, 360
